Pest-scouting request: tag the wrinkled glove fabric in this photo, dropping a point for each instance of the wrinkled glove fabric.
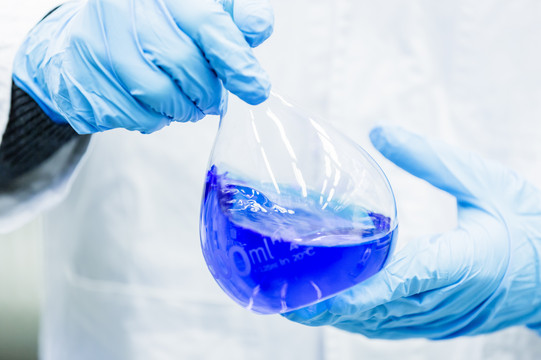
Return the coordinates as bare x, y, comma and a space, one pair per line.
104, 64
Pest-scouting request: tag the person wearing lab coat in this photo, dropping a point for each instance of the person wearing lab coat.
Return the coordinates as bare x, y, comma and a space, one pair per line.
124, 275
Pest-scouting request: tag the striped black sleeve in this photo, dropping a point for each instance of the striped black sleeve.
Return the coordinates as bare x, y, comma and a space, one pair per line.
30, 137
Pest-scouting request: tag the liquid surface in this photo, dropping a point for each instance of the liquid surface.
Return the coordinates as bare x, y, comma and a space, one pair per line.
273, 259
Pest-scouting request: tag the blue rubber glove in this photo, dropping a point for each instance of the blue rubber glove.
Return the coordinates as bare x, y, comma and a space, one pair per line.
480, 277
103, 64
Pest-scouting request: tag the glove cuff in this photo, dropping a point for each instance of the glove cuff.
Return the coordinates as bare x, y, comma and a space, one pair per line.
34, 54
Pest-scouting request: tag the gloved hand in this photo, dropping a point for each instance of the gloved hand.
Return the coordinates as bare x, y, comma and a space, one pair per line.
103, 64
480, 277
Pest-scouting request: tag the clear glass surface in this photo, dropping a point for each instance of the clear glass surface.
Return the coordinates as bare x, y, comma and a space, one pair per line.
293, 211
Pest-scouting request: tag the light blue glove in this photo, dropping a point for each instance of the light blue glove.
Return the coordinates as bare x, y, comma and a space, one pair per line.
103, 64
480, 277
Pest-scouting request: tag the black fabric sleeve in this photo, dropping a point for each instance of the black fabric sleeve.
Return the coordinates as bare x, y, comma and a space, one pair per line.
30, 138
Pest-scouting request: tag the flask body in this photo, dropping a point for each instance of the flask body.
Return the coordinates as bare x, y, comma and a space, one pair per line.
293, 212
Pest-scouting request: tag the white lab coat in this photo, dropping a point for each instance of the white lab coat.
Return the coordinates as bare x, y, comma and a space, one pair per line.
48, 184
124, 275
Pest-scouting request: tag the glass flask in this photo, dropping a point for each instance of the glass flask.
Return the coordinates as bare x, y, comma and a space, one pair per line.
293, 211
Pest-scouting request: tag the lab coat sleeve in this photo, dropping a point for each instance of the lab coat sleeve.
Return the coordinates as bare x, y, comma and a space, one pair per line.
49, 182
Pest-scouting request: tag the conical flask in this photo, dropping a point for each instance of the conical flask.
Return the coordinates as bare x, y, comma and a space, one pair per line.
293, 212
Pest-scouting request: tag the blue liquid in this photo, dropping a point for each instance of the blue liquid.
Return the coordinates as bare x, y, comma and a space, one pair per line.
271, 259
